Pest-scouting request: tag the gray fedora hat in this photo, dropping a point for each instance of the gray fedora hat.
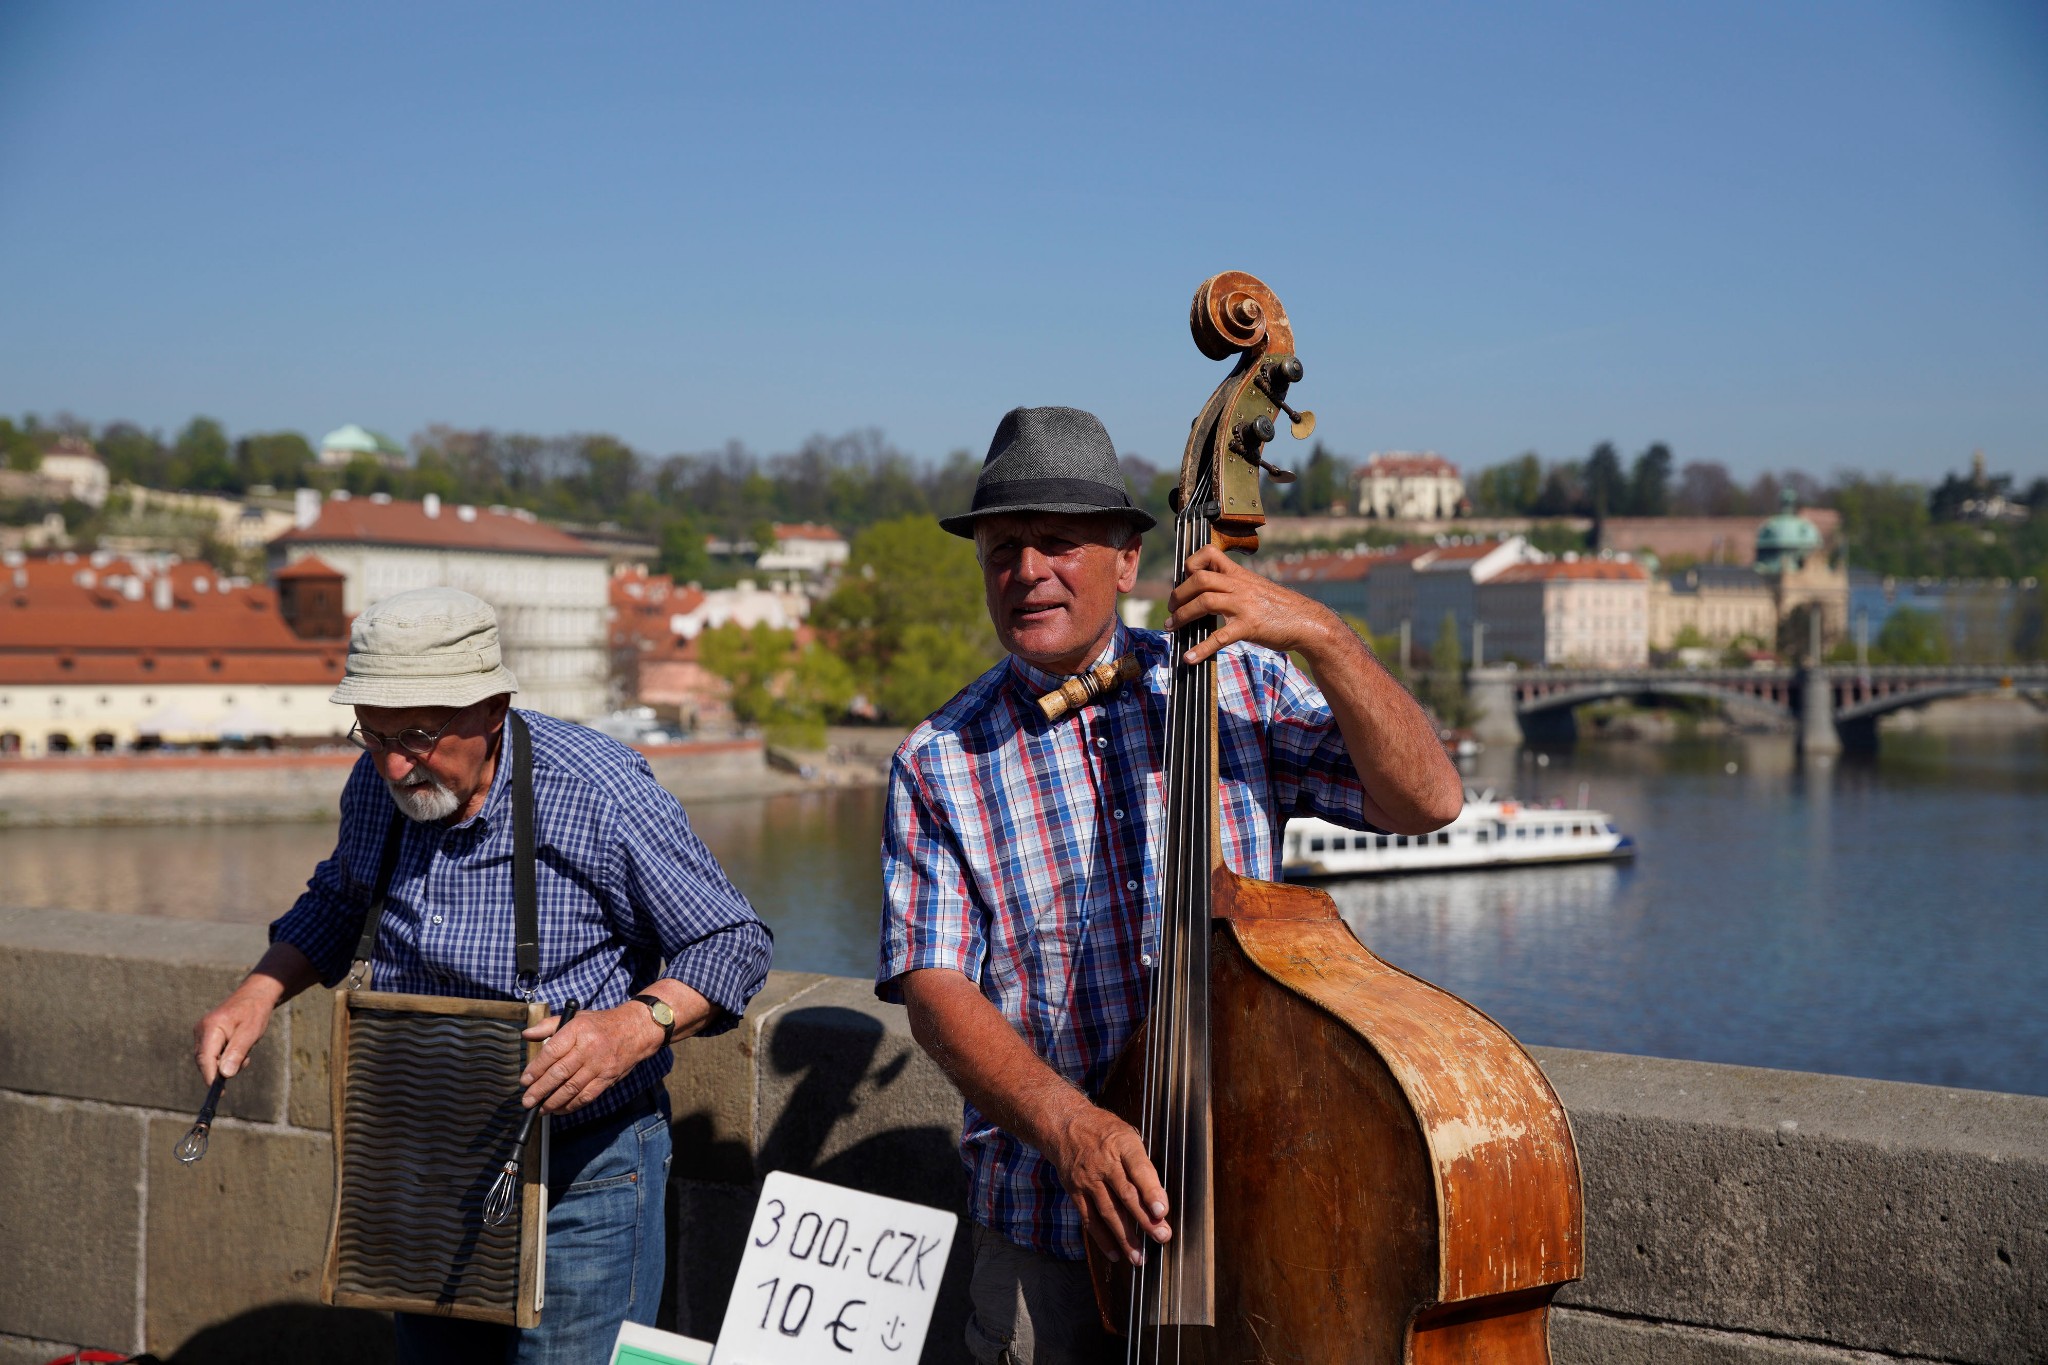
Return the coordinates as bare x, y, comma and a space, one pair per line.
1049, 460
424, 647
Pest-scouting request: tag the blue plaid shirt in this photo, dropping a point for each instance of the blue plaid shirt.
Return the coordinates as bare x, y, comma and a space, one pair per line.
1027, 854
627, 894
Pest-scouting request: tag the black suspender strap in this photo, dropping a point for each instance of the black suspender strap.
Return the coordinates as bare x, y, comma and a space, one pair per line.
394, 840
525, 899
525, 895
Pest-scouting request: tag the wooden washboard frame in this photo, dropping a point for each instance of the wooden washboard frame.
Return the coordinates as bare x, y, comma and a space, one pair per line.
425, 1092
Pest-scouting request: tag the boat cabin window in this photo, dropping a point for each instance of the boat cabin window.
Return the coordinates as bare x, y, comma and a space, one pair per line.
1382, 840
1400, 841
1521, 833
1443, 836
1578, 829
1339, 843
1480, 834
1537, 833
1315, 845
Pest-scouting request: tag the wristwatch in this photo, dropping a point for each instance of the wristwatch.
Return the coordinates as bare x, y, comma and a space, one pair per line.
663, 1015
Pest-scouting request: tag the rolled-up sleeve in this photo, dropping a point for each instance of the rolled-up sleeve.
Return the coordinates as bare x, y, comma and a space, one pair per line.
676, 902
930, 917
1312, 771
327, 919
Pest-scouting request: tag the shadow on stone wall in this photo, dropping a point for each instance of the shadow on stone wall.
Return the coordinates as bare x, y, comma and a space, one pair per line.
842, 1083
303, 1333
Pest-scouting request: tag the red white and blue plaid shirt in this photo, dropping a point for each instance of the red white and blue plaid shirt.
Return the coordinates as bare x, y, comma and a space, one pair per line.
1027, 854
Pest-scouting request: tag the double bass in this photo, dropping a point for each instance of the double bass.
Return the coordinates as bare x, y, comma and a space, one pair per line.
1362, 1167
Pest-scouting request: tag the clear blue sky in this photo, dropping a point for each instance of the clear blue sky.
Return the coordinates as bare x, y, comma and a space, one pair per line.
1804, 235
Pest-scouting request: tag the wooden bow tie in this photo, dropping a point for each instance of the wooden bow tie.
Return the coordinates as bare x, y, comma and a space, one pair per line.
1077, 691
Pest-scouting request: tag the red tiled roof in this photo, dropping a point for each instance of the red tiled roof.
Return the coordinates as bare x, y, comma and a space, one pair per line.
1611, 569
312, 566
1459, 554
806, 531
1400, 465
71, 621
361, 521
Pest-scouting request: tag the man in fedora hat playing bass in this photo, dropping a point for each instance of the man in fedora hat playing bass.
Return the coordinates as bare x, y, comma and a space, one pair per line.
1020, 853
635, 919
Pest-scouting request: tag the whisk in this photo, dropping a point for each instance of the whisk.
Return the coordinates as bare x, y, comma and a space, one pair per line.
192, 1146
498, 1204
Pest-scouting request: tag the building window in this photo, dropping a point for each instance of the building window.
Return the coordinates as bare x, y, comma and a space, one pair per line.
103, 743
58, 743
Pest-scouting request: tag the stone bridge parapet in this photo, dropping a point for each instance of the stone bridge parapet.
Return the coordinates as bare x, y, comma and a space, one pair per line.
1734, 1216
1833, 705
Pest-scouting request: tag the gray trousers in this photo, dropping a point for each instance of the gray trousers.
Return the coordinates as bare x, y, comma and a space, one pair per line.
1033, 1309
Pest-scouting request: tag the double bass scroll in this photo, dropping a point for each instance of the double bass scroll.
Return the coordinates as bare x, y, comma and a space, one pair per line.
1363, 1167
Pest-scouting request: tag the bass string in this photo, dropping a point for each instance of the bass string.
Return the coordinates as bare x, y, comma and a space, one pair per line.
1176, 1054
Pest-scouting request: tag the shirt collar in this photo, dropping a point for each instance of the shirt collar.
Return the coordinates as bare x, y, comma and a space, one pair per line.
1038, 682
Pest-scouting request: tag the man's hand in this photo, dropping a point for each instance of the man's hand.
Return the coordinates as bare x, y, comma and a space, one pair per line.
1102, 1162
1248, 607
578, 1063
224, 1035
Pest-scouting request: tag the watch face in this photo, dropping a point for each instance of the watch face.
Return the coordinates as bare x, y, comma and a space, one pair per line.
663, 1015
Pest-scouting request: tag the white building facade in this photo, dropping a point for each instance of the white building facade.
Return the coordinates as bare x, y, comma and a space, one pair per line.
550, 590
1406, 486
1568, 613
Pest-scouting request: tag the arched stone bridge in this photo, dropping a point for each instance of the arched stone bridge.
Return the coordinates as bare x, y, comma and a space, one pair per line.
1833, 705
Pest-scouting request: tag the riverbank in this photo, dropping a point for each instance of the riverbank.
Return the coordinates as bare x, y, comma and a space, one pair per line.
1992, 713
1734, 1216
242, 788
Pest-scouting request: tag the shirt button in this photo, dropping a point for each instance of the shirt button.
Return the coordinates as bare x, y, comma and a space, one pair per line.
1119, 815
437, 919
1130, 886
1101, 743
1145, 959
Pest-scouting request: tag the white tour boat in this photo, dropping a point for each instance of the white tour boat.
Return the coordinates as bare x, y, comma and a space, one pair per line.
1487, 833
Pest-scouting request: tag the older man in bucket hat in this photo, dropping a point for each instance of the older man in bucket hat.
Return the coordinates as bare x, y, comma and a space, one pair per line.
1022, 856
636, 921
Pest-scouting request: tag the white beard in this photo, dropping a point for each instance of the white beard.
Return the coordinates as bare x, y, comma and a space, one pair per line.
422, 798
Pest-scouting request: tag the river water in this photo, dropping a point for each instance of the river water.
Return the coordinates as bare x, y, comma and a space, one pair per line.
1883, 917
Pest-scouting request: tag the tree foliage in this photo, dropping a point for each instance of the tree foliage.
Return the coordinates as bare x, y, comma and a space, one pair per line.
791, 691
909, 616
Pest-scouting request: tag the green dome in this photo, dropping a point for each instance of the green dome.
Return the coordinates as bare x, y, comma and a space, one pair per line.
1787, 538
359, 441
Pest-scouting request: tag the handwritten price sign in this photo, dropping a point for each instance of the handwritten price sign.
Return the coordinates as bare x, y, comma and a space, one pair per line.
832, 1274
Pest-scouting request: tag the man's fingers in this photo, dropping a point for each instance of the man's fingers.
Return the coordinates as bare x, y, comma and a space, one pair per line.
1111, 1218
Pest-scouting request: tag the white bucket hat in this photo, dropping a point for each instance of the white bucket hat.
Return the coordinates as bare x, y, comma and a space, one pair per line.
427, 647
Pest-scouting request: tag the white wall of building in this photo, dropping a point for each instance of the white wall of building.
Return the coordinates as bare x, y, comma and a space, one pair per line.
552, 610
745, 604
33, 712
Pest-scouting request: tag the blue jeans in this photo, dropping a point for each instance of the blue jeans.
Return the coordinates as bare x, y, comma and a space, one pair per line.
607, 1191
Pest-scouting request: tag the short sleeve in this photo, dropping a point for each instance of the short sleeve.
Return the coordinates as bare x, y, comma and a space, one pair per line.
1312, 772
930, 917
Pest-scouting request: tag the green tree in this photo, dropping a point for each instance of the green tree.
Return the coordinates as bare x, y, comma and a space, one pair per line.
908, 617
790, 692
19, 445
1511, 489
281, 459
1606, 486
683, 556
200, 458
1910, 636
1445, 693
1324, 482
1649, 492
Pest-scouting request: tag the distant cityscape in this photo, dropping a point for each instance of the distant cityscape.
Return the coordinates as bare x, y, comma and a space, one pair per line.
211, 610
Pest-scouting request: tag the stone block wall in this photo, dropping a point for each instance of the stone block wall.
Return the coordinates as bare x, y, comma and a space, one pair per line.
1734, 1216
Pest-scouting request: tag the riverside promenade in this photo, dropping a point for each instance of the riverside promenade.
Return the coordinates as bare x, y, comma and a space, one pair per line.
1734, 1216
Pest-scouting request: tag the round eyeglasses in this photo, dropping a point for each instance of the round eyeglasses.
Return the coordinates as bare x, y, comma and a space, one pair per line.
413, 743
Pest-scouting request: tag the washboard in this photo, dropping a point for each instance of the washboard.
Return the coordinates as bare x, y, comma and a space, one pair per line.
426, 1107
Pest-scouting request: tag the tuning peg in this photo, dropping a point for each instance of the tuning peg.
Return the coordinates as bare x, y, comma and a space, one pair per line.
1276, 473
1277, 375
